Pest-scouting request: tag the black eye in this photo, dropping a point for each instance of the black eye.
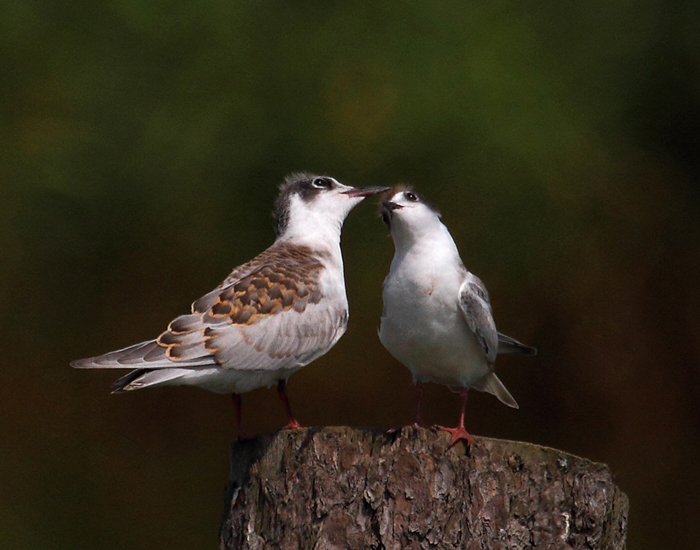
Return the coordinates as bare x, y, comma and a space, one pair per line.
322, 183
411, 196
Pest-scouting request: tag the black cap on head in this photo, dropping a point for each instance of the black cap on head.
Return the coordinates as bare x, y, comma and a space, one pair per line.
307, 186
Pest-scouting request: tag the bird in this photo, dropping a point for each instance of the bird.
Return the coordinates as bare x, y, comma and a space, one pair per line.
271, 316
436, 317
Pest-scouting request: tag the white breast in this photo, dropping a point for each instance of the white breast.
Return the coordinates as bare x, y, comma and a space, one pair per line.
422, 325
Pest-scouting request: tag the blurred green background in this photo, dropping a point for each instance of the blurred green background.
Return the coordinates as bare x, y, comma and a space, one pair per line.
141, 145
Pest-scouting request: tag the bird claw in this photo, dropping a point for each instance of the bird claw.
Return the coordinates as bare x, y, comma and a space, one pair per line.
293, 425
458, 434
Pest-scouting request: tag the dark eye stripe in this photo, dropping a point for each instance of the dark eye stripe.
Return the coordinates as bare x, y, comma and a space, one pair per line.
322, 183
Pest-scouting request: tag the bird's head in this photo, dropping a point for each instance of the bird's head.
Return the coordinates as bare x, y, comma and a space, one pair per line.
310, 206
407, 213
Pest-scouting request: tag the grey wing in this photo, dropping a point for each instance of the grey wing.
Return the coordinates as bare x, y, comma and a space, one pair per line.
285, 340
146, 355
476, 308
510, 346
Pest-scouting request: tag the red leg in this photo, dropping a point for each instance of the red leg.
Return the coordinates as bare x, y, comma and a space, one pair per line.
460, 433
418, 422
282, 392
238, 405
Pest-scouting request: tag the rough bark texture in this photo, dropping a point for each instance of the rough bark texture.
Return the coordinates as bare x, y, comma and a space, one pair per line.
362, 488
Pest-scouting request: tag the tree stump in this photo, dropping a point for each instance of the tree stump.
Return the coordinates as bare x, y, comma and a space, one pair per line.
359, 488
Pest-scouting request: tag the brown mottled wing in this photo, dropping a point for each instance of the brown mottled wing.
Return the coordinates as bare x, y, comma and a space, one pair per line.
263, 316
476, 308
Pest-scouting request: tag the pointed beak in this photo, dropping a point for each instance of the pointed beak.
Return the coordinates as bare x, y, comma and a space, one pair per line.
364, 191
391, 206
387, 211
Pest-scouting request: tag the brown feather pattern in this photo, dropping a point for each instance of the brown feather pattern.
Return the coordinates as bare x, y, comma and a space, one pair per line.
282, 278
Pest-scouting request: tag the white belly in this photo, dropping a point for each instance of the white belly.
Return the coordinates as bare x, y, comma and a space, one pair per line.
220, 380
428, 334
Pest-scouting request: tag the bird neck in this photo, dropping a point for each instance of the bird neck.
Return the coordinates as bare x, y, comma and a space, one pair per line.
316, 231
427, 243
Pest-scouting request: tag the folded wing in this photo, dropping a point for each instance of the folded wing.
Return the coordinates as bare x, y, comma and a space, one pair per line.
476, 308
265, 315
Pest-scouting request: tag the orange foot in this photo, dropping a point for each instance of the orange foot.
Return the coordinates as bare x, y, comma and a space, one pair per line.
293, 425
458, 434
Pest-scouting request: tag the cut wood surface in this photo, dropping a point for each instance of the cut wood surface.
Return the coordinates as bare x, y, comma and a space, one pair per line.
339, 487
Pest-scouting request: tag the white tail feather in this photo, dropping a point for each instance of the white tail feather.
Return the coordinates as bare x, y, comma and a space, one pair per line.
493, 385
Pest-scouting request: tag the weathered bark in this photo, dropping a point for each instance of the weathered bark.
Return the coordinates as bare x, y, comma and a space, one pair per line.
362, 488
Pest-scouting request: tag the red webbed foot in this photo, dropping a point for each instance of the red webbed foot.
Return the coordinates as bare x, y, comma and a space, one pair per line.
292, 425
458, 434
